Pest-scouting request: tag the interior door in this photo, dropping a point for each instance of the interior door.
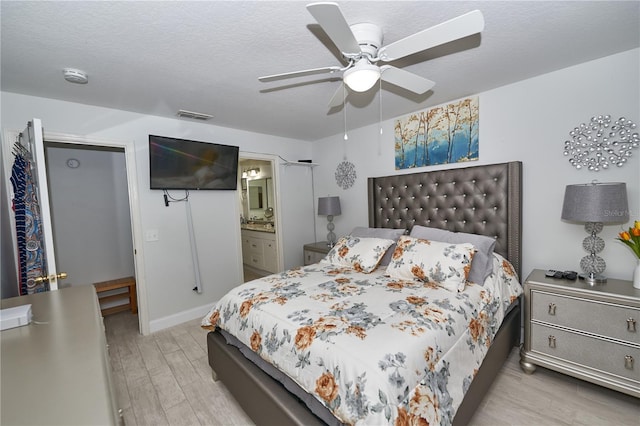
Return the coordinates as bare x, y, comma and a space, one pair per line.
34, 138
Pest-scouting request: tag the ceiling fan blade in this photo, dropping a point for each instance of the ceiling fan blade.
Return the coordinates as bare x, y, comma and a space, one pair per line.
405, 79
298, 73
338, 97
453, 29
333, 22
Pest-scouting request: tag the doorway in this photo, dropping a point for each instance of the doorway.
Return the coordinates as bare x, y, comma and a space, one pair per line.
90, 210
260, 226
91, 184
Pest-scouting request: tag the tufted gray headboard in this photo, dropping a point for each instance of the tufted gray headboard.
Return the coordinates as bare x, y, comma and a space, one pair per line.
484, 200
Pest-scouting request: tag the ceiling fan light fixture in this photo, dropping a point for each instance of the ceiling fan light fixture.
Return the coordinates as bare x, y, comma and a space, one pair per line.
361, 77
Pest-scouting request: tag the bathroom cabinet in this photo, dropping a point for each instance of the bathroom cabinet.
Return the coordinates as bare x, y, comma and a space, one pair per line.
260, 250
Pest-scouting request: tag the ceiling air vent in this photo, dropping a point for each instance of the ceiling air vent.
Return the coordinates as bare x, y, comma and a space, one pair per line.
195, 115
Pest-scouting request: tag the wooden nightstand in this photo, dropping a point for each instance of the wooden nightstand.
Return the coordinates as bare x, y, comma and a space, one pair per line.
589, 332
315, 252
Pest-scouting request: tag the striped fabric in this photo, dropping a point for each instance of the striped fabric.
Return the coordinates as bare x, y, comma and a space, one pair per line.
31, 255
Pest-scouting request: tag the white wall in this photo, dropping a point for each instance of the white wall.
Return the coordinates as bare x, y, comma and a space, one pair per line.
527, 121
295, 210
91, 219
169, 276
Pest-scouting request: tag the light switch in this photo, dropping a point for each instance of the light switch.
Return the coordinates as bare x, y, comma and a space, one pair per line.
151, 235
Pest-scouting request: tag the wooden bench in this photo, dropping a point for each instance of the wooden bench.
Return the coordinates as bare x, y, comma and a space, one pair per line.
129, 283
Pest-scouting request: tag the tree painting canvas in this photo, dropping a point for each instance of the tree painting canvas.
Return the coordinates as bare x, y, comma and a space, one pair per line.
440, 135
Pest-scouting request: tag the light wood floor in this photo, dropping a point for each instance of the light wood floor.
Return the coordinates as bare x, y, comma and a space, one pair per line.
251, 274
165, 379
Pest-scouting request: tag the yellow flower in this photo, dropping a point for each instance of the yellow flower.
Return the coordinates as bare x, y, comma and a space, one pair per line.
631, 238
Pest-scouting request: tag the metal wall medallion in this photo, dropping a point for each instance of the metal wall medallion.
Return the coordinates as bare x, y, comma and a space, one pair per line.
599, 144
345, 175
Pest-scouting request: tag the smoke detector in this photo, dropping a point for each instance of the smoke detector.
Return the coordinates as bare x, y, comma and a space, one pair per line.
73, 75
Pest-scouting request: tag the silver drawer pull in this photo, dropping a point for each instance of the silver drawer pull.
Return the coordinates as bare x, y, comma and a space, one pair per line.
552, 308
631, 325
552, 341
628, 362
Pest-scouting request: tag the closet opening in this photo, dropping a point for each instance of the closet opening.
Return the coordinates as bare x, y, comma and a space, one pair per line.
92, 223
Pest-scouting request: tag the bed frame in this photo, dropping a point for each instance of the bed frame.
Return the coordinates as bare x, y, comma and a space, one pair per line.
484, 200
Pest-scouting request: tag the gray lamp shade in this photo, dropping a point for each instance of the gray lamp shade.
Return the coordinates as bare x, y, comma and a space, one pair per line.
596, 202
329, 206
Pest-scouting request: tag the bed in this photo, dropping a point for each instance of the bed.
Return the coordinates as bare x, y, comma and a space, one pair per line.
440, 386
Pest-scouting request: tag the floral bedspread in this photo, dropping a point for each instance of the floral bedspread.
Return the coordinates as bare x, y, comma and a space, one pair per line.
372, 349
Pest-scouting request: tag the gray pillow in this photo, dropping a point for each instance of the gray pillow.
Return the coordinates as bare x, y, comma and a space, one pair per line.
482, 264
386, 233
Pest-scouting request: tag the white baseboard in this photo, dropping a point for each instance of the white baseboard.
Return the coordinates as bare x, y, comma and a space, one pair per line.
179, 318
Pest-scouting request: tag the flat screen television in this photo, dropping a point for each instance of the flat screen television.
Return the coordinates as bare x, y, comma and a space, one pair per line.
185, 164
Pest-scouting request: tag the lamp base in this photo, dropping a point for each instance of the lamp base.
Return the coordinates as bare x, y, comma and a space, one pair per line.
593, 279
594, 264
331, 237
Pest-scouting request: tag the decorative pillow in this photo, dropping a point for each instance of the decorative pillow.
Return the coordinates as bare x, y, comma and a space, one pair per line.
362, 254
386, 233
482, 264
444, 264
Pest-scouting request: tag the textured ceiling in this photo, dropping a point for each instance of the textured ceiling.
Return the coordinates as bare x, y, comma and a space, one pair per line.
158, 57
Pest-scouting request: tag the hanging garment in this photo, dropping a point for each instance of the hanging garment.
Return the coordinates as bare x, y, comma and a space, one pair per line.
31, 256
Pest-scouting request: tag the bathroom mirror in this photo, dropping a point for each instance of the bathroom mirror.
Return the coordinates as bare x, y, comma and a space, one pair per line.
256, 197
257, 194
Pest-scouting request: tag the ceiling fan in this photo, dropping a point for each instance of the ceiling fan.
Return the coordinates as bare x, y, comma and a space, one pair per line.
362, 49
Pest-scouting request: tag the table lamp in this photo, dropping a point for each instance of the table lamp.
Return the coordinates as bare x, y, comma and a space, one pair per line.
595, 204
330, 207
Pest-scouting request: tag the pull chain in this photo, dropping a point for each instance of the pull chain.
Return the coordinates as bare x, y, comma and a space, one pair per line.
380, 119
380, 99
344, 110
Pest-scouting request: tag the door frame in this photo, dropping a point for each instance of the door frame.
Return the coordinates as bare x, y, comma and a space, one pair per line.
134, 205
275, 172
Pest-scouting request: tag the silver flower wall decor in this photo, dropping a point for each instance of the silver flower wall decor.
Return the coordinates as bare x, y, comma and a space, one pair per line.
600, 143
345, 174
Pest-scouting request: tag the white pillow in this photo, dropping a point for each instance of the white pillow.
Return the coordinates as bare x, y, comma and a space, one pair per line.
482, 264
362, 254
386, 233
444, 264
